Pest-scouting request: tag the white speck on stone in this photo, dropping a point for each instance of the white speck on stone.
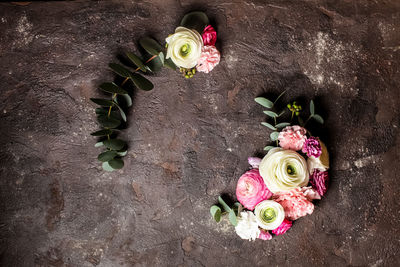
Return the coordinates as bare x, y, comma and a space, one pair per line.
366, 161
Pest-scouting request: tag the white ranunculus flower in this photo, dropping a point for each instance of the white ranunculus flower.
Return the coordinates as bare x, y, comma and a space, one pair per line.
283, 170
247, 227
269, 214
321, 163
184, 47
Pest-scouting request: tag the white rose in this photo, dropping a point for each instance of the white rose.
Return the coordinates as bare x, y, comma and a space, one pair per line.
184, 47
247, 227
321, 163
283, 170
269, 214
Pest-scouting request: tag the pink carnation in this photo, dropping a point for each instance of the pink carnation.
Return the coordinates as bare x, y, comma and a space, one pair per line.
209, 35
312, 147
285, 225
295, 203
292, 137
251, 189
310, 193
319, 181
254, 162
265, 235
209, 58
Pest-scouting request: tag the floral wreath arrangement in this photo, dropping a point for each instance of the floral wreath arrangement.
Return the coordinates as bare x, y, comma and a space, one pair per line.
191, 48
279, 188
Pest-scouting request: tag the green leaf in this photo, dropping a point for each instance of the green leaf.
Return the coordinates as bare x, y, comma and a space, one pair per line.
195, 20
120, 70
141, 82
121, 111
108, 122
169, 63
216, 213
106, 156
318, 118
282, 124
102, 102
280, 96
101, 111
151, 46
312, 108
161, 56
127, 99
99, 144
280, 114
264, 102
268, 125
115, 144
268, 148
137, 61
103, 132
238, 208
107, 167
223, 204
112, 88
154, 65
122, 153
232, 218
116, 163
270, 113
274, 136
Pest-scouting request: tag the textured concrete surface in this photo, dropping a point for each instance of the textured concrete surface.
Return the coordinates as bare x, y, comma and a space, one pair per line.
189, 139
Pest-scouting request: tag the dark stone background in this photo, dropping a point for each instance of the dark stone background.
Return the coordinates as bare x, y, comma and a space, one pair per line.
189, 139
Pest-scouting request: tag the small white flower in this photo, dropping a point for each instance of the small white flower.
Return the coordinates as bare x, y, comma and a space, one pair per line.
184, 47
269, 214
321, 163
247, 227
283, 170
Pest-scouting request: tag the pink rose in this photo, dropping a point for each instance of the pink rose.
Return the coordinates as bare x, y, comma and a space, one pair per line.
295, 203
265, 235
292, 137
319, 181
209, 58
251, 189
209, 35
285, 225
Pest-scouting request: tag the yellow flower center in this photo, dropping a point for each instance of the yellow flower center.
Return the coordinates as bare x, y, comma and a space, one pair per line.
185, 50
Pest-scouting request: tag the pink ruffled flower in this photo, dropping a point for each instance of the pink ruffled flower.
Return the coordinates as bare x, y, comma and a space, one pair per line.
209, 58
254, 162
310, 193
251, 189
292, 137
295, 203
285, 225
312, 147
209, 35
265, 235
319, 181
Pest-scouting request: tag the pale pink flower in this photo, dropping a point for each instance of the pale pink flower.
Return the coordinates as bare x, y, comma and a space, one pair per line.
209, 35
285, 225
254, 162
209, 58
319, 181
310, 193
265, 235
251, 189
292, 137
295, 203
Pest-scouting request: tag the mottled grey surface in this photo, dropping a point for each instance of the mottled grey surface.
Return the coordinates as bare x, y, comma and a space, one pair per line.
189, 139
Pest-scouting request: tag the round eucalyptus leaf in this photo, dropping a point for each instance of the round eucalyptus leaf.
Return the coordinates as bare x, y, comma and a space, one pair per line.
268, 125
115, 144
116, 163
264, 102
103, 132
137, 61
107, 167
102, 102
151, 46
216, 213
112, 88
274, 136
108, 122
107, 156
195, 20
119, 69
141, 82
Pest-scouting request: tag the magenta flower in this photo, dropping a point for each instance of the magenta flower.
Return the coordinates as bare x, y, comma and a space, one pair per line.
265, 235
312, 147
292, 137
251, 189
295, 203
319, 181
209, 35
285, 225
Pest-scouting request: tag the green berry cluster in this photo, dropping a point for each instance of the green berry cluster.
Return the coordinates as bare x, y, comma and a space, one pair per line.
188, 73
294, 108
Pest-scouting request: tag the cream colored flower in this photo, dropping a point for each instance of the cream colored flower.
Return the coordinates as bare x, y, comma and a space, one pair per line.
184, 47
283, 170
269, 214
321, 163
247, 227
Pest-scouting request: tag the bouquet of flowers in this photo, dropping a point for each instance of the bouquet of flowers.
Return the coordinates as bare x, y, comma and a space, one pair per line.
279, 188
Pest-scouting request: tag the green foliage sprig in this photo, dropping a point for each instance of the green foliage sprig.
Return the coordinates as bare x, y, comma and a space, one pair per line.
294, 108
232, 212
111, 112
